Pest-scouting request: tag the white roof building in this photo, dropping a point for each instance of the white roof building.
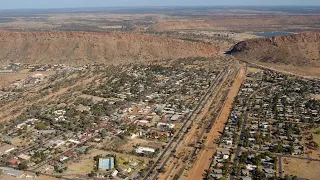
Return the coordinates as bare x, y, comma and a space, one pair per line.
63, 158
251, 167
114, 173
19, 126
175, 117
166, 124
141, 150
24, 157
74, 141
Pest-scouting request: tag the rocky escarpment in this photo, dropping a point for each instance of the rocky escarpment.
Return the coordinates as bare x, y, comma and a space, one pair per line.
297, 50
77, 48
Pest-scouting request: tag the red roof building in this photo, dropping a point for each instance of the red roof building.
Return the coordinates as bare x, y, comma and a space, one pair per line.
14, 161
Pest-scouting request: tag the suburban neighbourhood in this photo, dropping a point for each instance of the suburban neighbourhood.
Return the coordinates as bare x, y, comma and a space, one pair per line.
115, 128
137, 112
274, 122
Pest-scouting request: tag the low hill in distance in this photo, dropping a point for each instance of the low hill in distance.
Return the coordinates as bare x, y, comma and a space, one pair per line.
296, 23
293, 53
76, 48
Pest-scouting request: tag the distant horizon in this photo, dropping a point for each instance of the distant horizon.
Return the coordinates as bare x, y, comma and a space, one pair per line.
71, 4
169, 6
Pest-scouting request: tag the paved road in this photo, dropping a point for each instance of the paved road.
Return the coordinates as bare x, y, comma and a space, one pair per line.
201, 104
280, 166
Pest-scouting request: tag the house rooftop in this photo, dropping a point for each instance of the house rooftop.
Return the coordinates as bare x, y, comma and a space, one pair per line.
175, 117
106, 163
144, 149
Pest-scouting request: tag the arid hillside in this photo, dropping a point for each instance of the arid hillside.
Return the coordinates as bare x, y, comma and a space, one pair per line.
255, 23
297, 50
89, 47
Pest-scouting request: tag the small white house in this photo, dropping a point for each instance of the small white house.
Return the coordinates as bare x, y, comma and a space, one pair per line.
141, 150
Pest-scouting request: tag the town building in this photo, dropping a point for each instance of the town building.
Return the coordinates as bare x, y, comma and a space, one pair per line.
141, 150
106, 163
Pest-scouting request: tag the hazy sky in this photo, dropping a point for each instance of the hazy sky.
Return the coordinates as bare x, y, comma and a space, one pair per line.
21, 4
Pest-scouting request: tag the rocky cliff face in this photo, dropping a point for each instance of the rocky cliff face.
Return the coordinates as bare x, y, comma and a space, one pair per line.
297, 50
89, 47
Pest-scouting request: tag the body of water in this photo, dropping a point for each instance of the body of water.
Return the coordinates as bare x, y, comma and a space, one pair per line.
271, 34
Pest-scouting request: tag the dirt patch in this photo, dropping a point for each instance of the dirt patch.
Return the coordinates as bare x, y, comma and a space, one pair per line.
204, 161
83, 166
316, 96
98, 99
19, 142
7, 78
253, 70
301, 168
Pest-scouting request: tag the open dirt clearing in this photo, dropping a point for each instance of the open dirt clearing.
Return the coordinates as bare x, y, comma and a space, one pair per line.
316, 96
83, 166
301, 168
7, 78
205, 155
253, 70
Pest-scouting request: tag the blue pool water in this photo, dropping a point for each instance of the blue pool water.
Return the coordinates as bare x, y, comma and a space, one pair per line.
270, 34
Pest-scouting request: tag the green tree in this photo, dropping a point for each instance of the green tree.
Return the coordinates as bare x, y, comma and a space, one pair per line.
92, 174
41, 126
294, 178
23, 165
103, 133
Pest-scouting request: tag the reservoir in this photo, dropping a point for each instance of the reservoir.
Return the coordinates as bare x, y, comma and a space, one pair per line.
271, 34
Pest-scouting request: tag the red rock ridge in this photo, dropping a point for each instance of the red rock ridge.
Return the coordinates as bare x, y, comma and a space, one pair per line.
94, 47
